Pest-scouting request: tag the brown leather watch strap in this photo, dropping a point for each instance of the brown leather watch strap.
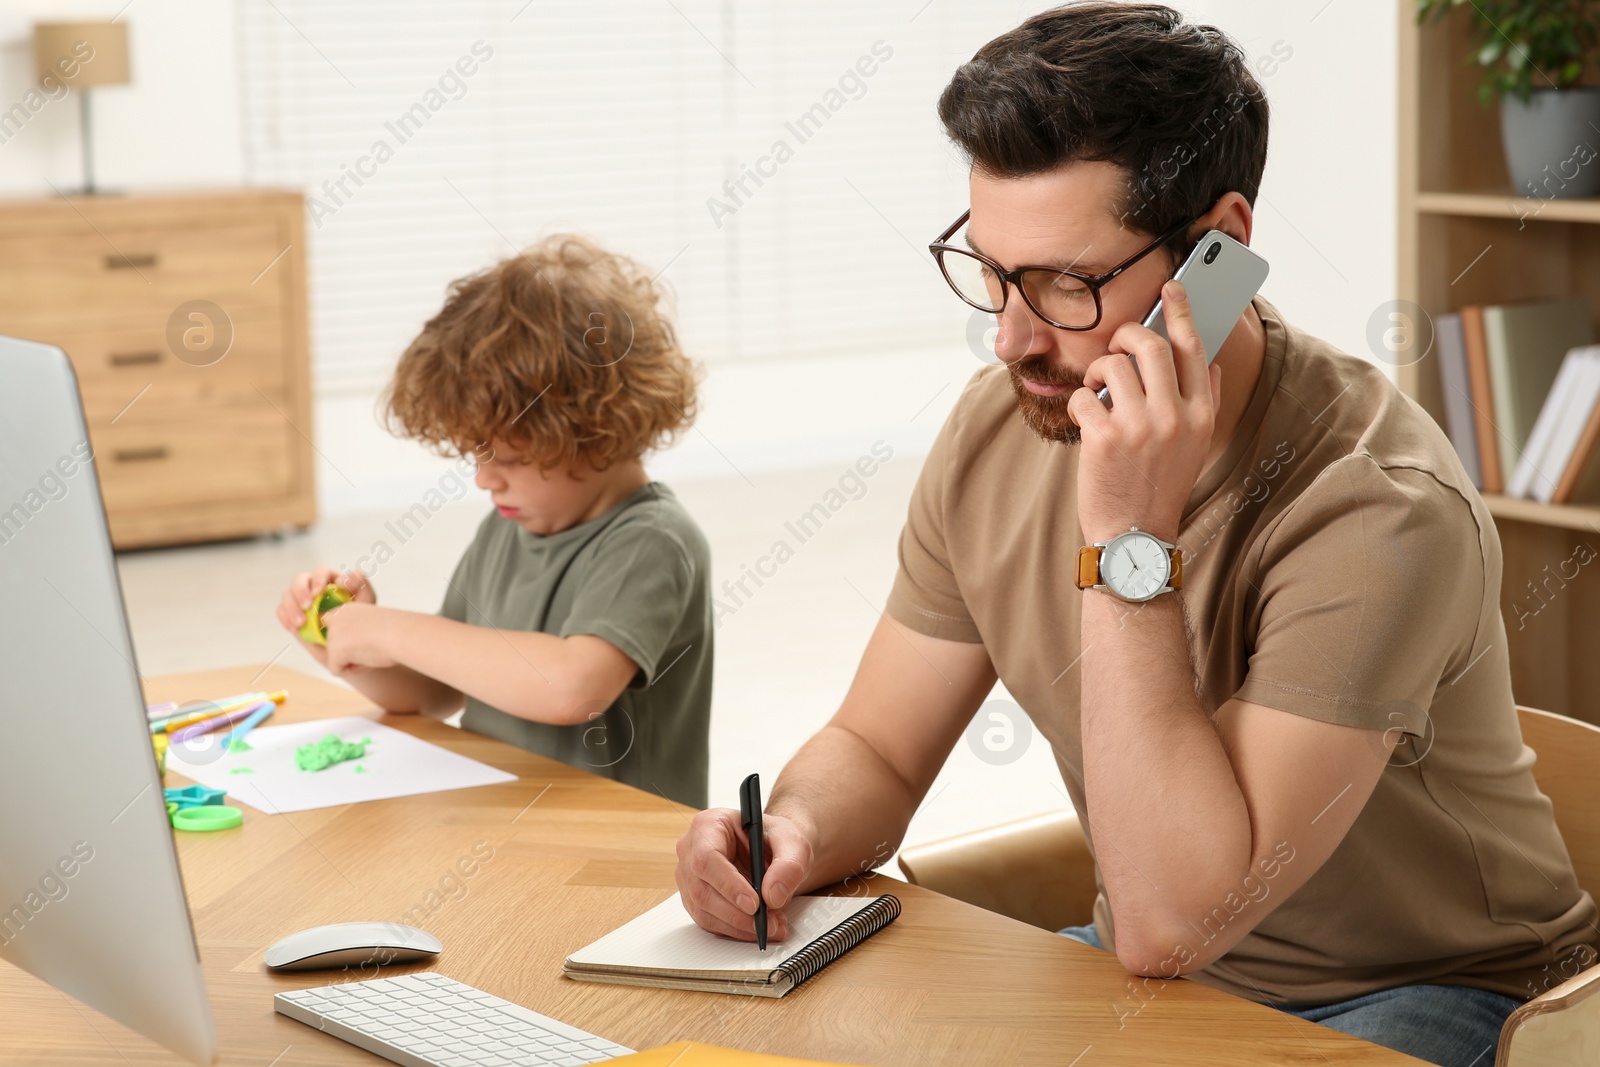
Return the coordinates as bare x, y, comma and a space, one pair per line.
1089, 567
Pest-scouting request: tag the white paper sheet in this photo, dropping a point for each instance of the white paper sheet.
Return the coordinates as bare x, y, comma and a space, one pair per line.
267, 778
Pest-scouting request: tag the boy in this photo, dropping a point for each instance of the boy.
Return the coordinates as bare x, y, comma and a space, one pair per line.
578, 623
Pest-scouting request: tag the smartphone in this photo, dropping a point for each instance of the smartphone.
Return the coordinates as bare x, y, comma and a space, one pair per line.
1221, 277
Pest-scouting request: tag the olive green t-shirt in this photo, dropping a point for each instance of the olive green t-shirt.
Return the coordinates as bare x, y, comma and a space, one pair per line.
1338, 564
639, 577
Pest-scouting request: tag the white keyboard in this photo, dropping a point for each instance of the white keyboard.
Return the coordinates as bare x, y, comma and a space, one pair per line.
428, 1020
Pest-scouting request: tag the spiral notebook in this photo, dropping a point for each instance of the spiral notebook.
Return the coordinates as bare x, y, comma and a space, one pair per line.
664, 949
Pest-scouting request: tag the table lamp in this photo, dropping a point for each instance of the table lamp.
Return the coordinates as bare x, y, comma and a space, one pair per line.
80, 55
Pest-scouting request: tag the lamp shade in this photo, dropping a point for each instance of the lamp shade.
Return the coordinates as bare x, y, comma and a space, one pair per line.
81, 54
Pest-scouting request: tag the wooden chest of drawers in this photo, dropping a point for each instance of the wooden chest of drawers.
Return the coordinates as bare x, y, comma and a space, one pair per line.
185, 319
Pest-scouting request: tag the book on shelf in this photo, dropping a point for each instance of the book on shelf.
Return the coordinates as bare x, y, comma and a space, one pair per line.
1519, 389
1580, 472
1559, 426
1482, 398
1458, 393
1526, 344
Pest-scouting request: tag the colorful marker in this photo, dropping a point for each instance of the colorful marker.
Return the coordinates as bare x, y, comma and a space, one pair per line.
194, 712
205, 726
213, 709
259, 712
174, 708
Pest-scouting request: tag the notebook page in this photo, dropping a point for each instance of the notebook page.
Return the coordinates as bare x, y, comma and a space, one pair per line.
665, 938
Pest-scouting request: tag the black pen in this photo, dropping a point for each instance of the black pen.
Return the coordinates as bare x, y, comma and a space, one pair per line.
750, 814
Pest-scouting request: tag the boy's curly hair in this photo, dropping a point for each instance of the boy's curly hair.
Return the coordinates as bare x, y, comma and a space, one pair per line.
559, 354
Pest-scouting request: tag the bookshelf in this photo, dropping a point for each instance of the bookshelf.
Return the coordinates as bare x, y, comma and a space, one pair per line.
1466, 238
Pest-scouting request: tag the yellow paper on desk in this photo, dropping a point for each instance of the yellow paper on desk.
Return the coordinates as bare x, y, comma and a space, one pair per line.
694, 1054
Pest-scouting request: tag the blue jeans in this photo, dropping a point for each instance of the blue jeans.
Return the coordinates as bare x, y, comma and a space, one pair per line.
1453, 1026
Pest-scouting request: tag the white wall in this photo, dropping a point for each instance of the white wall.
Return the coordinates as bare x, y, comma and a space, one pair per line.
1325, 220
176, 125
1326, 217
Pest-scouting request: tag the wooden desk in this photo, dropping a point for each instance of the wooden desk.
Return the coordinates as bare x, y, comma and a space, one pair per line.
575, 856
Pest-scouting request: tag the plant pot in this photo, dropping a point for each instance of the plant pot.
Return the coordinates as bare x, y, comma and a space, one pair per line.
1552, 143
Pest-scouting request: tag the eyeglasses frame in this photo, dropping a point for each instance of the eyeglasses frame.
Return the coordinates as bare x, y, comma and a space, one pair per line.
1013, 278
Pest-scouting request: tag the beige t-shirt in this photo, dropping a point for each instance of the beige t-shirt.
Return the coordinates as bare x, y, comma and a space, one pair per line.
1338, 564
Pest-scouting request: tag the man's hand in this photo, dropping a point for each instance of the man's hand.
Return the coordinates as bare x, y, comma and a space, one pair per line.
849, 792
713, 873
1141, 459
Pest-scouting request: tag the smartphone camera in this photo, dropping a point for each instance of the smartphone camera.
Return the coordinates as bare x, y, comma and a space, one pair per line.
1211, 253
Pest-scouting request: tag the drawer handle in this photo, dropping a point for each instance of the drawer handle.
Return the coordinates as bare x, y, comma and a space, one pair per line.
140, 455
135, 359
121, 262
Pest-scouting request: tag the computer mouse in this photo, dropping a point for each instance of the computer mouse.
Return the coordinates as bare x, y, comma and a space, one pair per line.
352, 945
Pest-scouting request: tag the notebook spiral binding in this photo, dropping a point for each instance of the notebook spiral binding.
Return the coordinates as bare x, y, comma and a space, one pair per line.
841, 939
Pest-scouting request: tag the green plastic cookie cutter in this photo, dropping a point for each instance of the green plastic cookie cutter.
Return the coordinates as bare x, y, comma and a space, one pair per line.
332, 596
209, 817
172, 809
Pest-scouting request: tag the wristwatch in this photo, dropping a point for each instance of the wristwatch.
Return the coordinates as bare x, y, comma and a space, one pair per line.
1135, 566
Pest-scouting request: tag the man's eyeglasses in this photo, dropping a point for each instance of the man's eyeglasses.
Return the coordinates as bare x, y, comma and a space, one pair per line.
1067, 299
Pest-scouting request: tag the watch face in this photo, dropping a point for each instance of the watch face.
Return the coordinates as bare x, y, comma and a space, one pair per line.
1135, 566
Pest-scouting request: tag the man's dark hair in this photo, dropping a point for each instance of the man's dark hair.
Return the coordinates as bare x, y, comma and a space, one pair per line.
1174, 104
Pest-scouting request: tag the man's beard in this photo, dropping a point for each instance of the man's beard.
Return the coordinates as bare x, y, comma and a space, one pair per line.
1045, 415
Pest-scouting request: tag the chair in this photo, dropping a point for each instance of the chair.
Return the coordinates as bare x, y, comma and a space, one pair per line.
1039, 871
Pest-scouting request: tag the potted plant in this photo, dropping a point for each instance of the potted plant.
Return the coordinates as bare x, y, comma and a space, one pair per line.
1534, 54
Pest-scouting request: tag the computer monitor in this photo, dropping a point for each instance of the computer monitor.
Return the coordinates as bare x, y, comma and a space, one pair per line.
91, 897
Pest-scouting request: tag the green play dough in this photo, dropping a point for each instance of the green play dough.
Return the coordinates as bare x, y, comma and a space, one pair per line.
239, 744
241, 770
330, 750
360, 769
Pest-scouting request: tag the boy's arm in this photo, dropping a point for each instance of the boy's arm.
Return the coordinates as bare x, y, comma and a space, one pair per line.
392, 688
535, 676
401, 689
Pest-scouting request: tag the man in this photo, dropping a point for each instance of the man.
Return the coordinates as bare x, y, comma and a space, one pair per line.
1301, 773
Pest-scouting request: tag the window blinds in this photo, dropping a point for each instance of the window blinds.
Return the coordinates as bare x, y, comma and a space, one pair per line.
782, 165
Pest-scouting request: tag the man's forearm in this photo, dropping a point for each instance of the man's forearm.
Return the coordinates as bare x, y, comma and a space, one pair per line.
849, 802
1170, 826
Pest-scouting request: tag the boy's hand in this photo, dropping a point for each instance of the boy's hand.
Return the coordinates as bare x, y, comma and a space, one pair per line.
356, 637
297, 598
713, 873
